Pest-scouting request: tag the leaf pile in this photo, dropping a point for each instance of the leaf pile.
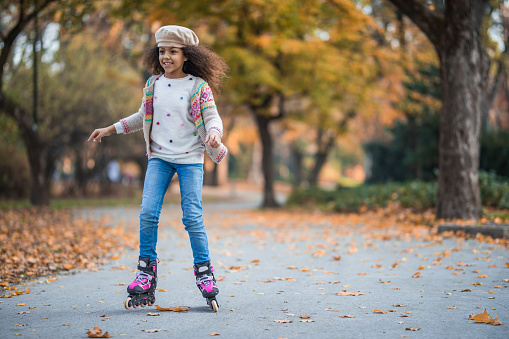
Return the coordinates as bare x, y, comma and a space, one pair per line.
40, 241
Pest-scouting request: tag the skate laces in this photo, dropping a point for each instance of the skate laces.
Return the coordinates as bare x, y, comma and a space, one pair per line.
205, 280
140, 275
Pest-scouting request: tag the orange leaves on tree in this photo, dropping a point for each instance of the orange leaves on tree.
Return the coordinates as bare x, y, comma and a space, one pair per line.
484, 318
97, 332
345, 293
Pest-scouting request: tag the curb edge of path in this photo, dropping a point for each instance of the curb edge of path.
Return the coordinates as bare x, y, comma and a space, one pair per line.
493, 230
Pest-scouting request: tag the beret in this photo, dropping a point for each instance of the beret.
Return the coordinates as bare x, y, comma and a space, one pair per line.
175, 36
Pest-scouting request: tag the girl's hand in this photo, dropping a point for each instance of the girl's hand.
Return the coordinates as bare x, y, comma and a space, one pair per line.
98, 134
213, 139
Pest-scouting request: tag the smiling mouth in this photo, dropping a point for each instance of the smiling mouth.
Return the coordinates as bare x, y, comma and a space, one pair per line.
167, 64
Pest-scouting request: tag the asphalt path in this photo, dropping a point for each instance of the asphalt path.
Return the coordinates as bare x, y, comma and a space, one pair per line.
277, 280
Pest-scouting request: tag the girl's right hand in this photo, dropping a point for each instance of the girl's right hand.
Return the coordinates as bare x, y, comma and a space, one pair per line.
98, 134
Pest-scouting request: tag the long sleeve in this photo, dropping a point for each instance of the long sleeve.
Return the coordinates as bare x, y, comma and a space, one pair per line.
209, 112
131, 123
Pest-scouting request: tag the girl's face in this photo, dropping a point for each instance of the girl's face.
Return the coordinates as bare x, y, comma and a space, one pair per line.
172, 60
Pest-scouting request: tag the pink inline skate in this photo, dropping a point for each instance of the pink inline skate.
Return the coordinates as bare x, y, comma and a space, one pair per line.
142, 289
207, 283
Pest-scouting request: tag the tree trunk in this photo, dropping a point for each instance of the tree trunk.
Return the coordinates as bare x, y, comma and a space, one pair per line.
464, 68
298, 157
325, 144
269, 198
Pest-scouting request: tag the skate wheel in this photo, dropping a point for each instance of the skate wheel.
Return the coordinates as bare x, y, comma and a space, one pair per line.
127, 303
214, 305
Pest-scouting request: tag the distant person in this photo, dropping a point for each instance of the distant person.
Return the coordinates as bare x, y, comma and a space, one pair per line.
113, 171
180, 122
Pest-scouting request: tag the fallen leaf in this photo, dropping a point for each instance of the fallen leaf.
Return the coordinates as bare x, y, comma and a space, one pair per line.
344, 292
97, 332
481, 318
152, 331
336, 258
416, 275
347, 316
379, 311
153, 314
451, 307
305, 316
399, 305
283, 321
413, 329
173, 309
21, 304
482, 276
466, 290
307, 321
507, 264
214, 333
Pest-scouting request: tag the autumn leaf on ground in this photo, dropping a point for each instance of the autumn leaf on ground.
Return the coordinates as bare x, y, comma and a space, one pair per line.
484, 318
451, 307
97, 332
347, 316
336, 258
413, 329
416, 275
283, 321
319, 253
305, 316
507, 264
174, 309
466, 290
152, 314
214, 333
152, 331
379, 311
344, 292
399, 305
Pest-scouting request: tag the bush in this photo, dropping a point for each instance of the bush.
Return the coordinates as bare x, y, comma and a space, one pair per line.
414, 194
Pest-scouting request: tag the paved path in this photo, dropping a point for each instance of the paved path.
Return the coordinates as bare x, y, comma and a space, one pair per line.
278, 266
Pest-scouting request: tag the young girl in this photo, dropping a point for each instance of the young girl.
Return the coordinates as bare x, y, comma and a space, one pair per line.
180, 122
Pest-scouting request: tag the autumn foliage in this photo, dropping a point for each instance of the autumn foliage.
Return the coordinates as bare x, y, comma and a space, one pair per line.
39, 241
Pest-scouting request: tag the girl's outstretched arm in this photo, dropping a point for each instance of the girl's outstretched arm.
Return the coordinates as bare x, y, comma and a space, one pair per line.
99, 133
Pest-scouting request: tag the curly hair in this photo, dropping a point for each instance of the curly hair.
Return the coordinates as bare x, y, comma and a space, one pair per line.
201, 62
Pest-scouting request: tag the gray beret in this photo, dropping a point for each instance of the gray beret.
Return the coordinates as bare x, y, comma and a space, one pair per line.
176, 36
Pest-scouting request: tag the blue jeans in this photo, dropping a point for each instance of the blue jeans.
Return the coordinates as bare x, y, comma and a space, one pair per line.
157, 180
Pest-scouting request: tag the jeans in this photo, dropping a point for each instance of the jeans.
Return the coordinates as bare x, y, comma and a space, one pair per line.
157, 181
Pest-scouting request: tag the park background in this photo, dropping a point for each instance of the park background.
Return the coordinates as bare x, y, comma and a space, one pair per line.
359, 126
328, 94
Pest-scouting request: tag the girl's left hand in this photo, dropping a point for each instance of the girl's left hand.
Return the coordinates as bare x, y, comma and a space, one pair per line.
213, 139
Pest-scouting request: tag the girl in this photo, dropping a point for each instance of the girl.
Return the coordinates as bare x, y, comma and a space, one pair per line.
180, 122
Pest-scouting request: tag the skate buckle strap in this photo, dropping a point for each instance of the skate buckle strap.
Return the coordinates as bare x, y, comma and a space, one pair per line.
142, 275
206, 280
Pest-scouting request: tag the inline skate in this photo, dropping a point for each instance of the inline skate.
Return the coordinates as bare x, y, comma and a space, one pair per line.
207, 283
142, 289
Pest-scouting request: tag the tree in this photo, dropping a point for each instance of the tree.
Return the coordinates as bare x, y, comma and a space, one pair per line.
16, 17
456, 34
